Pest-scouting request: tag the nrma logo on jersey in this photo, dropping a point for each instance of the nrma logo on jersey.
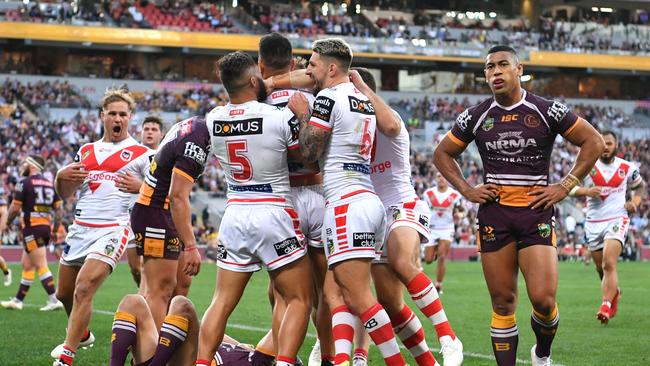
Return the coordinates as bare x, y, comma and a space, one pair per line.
242, 127
510, 143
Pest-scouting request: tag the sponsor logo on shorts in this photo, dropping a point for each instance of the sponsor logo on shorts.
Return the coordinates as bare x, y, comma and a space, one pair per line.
615, 228
488, 234
488, 124
544, 230
330, 245
531, 121
221, 252
397, 213
174, 245
252, 126
323, 107
109, 249
363, 240
287, 246
361, 106
138, 237
424, 220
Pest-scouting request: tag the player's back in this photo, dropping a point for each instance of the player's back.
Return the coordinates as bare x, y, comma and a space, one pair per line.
183, 150
350, 117
37, 197
251, 141
614, 179
391, 167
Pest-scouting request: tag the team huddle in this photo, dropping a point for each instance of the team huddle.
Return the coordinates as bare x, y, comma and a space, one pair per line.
319, 193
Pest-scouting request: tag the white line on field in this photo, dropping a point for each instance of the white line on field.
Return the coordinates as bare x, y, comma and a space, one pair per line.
312, 335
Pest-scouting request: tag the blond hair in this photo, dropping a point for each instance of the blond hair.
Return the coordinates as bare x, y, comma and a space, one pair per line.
119, 94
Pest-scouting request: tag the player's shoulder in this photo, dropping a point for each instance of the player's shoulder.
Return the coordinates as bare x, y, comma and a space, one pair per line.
549, 108
471, 115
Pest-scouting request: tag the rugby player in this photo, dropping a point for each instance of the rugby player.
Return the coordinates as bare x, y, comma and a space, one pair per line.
34, 200
514, 131
339, 135
443, 202
260, 226
98, 237
150, 136
162, 217
3, 227
607, 220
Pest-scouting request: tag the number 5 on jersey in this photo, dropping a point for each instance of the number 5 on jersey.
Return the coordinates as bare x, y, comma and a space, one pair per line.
365, 147
242, 168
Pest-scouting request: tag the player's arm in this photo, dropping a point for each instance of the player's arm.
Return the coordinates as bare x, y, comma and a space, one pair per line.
637, 186
444, 157
297, 79
13, 212
181, 211
387, 121
591, 144
4, 215
313, 137
58, 216
578, 191
69, 178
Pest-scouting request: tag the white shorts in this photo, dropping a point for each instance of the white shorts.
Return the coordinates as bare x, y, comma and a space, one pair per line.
354, 228
444, 234
132, 244
252, 236
413, 214
597, 232
106, 244
309, 202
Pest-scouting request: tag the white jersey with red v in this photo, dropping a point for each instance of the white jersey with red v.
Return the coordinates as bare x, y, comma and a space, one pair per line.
100, 201
442, 207
614, 179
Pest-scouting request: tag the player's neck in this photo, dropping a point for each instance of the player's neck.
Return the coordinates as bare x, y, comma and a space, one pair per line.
269, 72
243, 98
607, 161
442, 190
109, 140
511, 98
336, 81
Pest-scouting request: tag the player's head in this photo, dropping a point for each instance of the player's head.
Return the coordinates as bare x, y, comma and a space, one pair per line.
241, 76
275, 55
117, 108
300, 63
367, 77
441, 182
330, 59
611, 146
502, 69
152, 132
33, 164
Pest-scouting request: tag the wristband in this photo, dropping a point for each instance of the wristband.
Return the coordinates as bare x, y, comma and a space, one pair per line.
569, 182
189, 249
573, 191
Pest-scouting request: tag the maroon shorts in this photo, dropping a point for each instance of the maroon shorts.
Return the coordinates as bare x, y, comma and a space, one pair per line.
154, 231
499, 225
35, 237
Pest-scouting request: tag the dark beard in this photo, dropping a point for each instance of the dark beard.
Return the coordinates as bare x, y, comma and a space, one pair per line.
261, 91
24, 172
608, 160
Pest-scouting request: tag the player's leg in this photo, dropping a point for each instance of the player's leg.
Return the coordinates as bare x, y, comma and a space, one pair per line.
133, 331
179, 335
611, 252
430, 252
538, 264
6, 271
597, 256
183, 281
278, 308
361, 344
323, 319
443, 250
160, 277
135, 264
342, 320
26, 281
405, 323
230, 286
39, 261
67, 278
500, 272
91, 275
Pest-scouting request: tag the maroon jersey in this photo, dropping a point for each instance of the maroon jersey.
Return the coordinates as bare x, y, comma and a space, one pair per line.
184, 150
36, 197
515, 142
236, 355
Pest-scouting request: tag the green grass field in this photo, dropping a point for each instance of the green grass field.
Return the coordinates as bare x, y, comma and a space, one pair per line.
29, 335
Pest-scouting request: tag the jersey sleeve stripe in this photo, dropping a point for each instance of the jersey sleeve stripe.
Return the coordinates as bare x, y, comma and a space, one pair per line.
456, 140
183, 174
573, 126
294, 146
320, 124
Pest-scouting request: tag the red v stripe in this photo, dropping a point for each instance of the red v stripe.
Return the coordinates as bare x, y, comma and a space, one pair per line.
614, 181
114, 162
435, 203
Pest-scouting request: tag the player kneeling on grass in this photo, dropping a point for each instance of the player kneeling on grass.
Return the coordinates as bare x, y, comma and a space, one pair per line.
135, 331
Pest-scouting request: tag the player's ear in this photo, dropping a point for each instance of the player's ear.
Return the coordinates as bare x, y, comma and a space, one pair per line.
260, 65
520, 69
293, 64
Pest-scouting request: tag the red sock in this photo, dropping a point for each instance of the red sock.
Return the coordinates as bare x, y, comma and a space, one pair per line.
408, 328
426, 297
284, 361
203, 363
377, 323
67, 355
360, 352
343, 333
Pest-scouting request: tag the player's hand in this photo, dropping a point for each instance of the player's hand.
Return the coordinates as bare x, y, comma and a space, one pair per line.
630, 207
358, 82
482, 193
548, 196
299, 104
268, 85
74, 172
128, 183
192, 262
594, 192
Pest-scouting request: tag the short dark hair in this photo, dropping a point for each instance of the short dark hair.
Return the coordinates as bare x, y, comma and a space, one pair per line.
275, 51
611, 133
335, 48
232, 68
153, 119
367, 77
503, 48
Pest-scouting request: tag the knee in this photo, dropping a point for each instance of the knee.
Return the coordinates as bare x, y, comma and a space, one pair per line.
504, 303
131, 302
83, 291
181, 305
392, 304
404, 266
609, 265
544, 304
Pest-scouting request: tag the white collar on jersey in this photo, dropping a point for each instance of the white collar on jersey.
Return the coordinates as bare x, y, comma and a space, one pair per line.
520, 102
